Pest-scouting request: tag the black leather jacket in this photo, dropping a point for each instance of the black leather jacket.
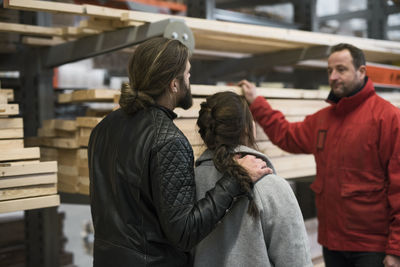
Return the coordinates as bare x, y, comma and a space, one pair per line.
142, 192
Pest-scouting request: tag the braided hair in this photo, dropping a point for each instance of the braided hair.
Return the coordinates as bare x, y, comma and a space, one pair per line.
225, 122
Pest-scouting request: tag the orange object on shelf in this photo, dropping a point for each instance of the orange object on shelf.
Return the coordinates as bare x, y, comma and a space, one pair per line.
123, 4
384, 74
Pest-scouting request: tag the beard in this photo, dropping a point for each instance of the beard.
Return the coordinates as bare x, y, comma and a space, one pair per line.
186, 101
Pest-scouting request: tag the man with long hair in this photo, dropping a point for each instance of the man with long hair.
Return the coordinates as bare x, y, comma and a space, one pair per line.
142, 189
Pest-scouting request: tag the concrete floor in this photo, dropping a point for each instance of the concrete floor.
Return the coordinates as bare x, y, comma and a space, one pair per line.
76, 218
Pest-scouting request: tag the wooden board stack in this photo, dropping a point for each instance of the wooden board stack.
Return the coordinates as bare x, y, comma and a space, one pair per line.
25, 182
13, 247
66, 140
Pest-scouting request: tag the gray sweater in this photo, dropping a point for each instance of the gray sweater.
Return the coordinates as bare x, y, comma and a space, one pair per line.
277, 238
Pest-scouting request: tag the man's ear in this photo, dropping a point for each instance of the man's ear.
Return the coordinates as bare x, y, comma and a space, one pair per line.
172, 86
363, 71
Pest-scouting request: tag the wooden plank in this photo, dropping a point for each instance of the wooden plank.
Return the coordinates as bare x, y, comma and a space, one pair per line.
204, 90
83, 163
70, 143
78, 32
19, 163
65, 125
271, 150
7, 170
26, 180
83, 141
48, 154
94, 95
289, 107
64, 98
11, 143
84, 171
19, 154
68, 157
9, 93
29, 203
39, 41
3, 101
28, 191
53, 7
68, 170
85, 132
30, 29
10, 109
84, 189
67, 188
83, 153
11, 133
46, 132
49, 124
104, 12
68, 179
11, 123
88, 122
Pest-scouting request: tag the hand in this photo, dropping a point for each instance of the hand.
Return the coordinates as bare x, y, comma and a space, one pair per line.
255, 167
249, 90
392, 261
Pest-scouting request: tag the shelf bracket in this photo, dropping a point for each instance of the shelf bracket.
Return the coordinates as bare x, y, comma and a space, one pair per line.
105, 42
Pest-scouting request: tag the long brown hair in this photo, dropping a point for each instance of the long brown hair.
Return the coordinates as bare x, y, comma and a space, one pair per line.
225, 122
153, 65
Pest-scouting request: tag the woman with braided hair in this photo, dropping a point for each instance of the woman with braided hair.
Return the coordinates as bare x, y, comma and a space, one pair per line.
265, 228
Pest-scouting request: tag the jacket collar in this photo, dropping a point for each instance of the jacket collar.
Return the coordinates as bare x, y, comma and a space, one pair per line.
172, 115
208, 155
347, 104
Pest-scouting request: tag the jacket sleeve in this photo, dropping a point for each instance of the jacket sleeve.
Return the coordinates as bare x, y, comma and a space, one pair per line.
283, 225
390, 155
184, 221
294, 137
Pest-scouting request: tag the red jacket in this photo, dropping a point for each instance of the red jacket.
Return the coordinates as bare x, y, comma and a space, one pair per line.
356, 145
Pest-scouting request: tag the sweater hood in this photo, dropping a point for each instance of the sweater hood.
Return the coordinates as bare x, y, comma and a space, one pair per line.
208, 155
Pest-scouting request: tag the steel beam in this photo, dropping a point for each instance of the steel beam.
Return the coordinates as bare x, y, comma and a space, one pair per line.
347, 15
201, 9
226, 15
95, 45
250, 3
377, 24
392, 10
268, 60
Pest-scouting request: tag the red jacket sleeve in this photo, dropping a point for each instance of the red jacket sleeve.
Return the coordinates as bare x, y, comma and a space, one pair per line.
296, 137
390, 156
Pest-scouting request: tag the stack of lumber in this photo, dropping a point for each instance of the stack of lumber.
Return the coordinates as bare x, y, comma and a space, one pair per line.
216, 36
66, 141
13, 246
25, 182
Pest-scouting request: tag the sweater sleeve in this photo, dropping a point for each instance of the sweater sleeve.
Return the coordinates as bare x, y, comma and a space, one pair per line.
283, 226
184, 221
294, 137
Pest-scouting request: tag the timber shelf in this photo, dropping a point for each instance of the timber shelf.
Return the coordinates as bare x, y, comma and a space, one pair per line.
210, 36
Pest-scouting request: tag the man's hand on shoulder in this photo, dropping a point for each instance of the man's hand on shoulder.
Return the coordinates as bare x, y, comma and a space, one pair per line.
392, 261
255, 167
249, 90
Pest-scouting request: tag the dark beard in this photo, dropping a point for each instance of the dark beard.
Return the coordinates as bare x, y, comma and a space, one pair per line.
187, 101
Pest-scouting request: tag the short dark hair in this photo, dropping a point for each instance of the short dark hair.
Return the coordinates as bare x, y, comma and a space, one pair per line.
153, 65
356, 53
